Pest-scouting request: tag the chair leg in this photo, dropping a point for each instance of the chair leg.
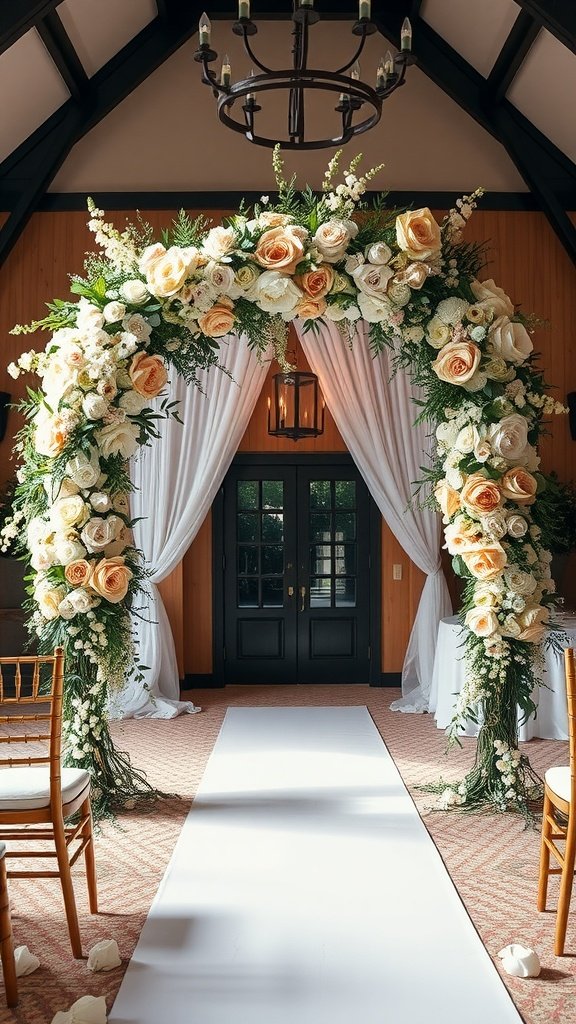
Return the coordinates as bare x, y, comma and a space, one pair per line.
544, 855
6, 941
88, 834
566, 882
67, 888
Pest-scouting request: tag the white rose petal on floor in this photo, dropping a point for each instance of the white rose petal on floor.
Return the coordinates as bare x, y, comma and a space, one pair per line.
305, 888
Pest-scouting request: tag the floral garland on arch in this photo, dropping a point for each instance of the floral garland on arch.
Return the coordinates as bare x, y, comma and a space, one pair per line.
145, 305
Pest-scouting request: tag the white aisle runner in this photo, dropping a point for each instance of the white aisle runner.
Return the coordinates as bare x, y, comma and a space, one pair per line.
304, 889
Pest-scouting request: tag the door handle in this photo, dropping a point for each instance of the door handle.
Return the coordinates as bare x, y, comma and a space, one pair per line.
290, 591
303, 596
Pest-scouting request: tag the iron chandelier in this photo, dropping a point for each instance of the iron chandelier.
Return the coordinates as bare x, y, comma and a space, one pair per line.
354, 95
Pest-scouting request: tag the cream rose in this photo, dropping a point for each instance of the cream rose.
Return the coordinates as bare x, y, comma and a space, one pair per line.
68, 512
111, 578
276, 292
494, 525
67, 547
220, 278
437, 333
418, 234
167, 273
457, 362
374, 310
137, 325
48, 599
516, 526
520, 582
218, 242
79, 600
94, 406
373, 279
84, 470
482, 450
99, 533
135, 292
509, 437
100, 501
378, 253
51, 435
467, 439
149, 256
113, 312
482, 621
519, 485
309, 309
316, 283
271, 219
332, 238
78, 573
510, 340
118, 439
490, 296
485, 561
219, 320
279, 248
498, 369
447, 498
480, 496
246, 277
511, 627
132, 403
488, 595
148, 374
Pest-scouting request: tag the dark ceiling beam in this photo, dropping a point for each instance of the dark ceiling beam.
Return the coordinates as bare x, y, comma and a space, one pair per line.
57, 42
557, 16
509, 60
546, 171
19, 16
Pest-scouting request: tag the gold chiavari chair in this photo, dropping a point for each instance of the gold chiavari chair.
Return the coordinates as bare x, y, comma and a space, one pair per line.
6, 940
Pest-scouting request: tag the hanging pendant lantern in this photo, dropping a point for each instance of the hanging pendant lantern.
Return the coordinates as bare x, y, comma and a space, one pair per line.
296, 409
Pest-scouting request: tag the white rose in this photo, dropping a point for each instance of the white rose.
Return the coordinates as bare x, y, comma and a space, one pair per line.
66, 609
136, 325
88, 317
467, 439
67, 548
118, 439
482, 450
113, 312
83, 470
166, 275
100, 501
43, 557
98, 533
276, 292
80, 600
150, 254
48, 599
220, 277
437, 333
39, 531
62, 489
373, 280
446, 433
494, 525
519, 582
516, 525
374, 310
378, 253
132, 403
218, 242
94, 406
489, 296
488, 595
510, 627
332, 238
336, 313
509, 437
135, 292
510, 340
67, 512
58, 380
455, 478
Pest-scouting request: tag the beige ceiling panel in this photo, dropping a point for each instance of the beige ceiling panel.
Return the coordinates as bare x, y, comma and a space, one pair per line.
476, 30
166, 134
29, 96
99, 28
545, 90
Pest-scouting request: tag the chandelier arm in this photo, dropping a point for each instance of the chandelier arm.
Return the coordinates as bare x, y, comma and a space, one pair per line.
340, 71
254, 58
211, 78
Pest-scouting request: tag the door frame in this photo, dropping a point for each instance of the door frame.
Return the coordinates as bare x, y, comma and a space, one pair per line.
375, 528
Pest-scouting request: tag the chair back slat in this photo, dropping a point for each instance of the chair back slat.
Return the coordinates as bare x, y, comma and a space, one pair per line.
33, 688
570, 675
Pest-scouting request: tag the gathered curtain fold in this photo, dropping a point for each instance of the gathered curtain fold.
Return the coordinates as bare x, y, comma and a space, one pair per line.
176, 481
374, 412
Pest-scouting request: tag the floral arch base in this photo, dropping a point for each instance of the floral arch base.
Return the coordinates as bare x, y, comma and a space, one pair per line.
145, 305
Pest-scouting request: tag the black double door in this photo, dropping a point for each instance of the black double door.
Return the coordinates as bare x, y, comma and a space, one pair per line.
294, 553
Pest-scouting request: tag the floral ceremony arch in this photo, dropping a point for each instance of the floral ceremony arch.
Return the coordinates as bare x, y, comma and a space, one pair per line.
144, 305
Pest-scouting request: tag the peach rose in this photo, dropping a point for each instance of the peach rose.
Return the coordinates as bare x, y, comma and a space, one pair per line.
418, 234
415, 275
482, 621
110, 578
166, 274
309, 309
447, 498
485, 561
316, 283
480, 496
51, 436
78, 572
519, 485
457, 362
272, 219
148, 375
279, 249
459, 537
218, 320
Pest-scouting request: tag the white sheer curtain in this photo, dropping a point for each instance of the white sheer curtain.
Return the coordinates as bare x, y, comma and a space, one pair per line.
375, 415
177, 478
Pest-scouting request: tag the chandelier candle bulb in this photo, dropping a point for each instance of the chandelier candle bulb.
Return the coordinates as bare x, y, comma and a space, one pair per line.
244, 9
389, 64
381, 74
251, 97
365, 10
306, 3
204, 29
406, 36
226, 73
355, 72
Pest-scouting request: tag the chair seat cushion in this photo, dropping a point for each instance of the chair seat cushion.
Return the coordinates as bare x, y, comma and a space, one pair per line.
28, 789
558, 780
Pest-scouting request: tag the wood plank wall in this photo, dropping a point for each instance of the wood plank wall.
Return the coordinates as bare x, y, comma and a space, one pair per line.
526, 259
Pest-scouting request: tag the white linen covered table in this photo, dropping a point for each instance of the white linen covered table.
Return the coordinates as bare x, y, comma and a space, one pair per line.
551, 722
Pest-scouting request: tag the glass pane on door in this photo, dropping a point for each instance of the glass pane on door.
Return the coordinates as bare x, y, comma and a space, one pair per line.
260, 544
333, 543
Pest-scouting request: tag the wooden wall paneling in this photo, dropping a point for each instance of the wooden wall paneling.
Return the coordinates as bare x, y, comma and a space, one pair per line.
198, 602
172, 593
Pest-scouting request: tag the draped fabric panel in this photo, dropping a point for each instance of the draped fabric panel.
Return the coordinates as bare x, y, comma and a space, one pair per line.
176, 480
375, 414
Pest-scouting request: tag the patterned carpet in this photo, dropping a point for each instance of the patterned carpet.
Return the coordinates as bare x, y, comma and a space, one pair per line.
492, 859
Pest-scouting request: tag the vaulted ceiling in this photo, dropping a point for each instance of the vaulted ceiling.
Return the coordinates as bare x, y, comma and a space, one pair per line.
102, 96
